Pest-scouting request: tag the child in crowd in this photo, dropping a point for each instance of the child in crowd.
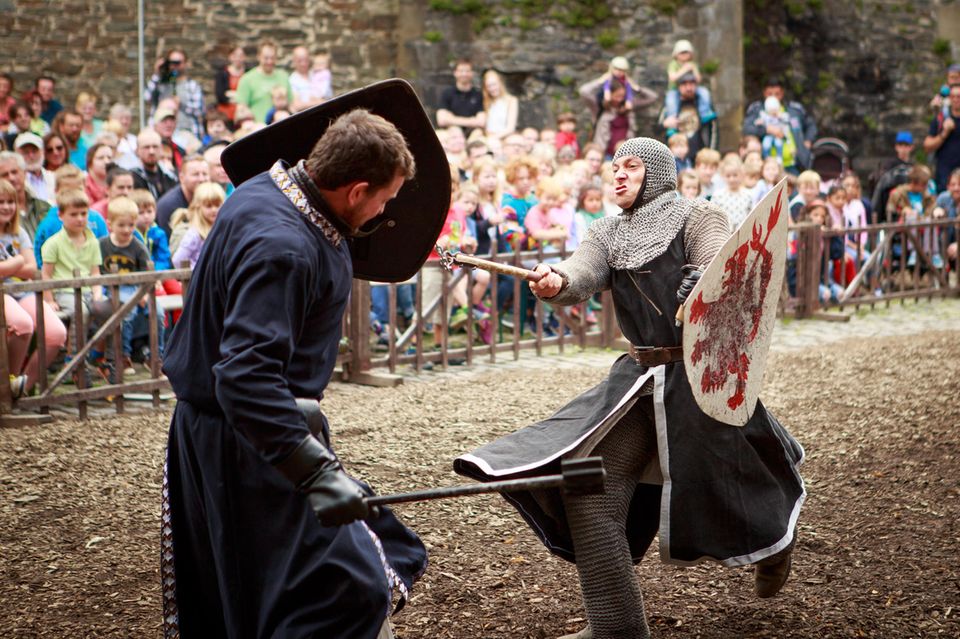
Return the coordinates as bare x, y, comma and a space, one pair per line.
281, 105
74, 246
546, 158
808, 190
816, 212
752, 172
192, 225
773, 115
736, 200
590, 206
148, 232
17, 263
688, 184
122, 253
771, 172
680, 147
485, 176
683, 62
566, 134
549, 223
706, 163
520, 174
321, 76
913, 202
68, 178
940, 102
217, 126
548, 136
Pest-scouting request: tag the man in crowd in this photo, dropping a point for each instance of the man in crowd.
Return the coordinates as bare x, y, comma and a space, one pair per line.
256, 86
193, 172
32, 209
797, 139
148, 172
212, 153
171, 79
119, 184
699, 134
69, 124
462, 104
45, 87
165, 123
944, 139
264, 530
894, 173
39, 180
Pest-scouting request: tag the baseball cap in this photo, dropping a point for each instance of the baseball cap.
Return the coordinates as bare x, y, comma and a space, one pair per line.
904, 137
28, 138
953, 68
163, 114
621, 63
682, 46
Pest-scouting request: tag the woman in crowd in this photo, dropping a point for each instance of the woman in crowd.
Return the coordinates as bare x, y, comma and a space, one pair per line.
500, 106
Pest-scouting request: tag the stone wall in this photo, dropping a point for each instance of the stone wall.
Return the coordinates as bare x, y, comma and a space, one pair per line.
866, 68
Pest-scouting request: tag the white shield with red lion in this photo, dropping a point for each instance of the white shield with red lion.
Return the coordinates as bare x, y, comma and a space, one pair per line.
729, 316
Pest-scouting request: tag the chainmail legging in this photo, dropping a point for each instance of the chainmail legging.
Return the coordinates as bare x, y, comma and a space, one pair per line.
611, 592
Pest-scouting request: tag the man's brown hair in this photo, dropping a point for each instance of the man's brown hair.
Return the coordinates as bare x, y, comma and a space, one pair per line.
360, 147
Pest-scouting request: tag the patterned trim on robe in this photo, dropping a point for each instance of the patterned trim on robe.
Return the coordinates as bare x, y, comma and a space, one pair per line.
168, 578
290, 189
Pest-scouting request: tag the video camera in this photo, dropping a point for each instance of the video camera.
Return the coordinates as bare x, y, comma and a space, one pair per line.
168, 72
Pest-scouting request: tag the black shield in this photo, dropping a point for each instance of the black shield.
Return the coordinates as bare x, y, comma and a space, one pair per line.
408, 228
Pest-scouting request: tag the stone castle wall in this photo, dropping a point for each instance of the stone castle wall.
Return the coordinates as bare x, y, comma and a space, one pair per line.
866, 68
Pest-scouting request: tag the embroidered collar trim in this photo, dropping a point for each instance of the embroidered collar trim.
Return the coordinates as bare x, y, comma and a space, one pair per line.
278, 173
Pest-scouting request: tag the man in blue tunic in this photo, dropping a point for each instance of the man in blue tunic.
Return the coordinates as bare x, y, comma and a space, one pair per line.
265, 534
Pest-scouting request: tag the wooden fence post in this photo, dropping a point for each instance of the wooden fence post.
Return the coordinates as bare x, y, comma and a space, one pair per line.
808, 270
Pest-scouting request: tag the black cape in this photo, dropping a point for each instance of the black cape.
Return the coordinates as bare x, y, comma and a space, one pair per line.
260, 326
718, 492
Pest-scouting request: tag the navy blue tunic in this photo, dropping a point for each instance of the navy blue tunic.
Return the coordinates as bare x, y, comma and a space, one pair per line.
261, 325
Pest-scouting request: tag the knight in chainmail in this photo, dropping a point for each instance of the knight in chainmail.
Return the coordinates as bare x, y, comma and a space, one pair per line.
712, 492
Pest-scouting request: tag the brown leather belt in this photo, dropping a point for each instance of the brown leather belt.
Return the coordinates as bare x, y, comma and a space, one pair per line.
655, 355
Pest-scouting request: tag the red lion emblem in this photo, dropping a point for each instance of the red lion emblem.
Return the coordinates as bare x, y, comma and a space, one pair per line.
733, 319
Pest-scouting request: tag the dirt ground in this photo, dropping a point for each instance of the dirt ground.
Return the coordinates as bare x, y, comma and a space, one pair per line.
879, 543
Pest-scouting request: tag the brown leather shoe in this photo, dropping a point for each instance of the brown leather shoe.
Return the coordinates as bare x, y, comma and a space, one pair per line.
586, 633
772, 573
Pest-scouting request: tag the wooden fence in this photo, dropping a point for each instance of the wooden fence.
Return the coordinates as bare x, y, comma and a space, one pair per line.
889, 262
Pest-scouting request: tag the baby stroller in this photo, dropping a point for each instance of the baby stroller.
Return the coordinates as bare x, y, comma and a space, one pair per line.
831, 158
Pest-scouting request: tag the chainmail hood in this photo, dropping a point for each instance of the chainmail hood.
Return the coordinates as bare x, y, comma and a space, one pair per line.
645, 230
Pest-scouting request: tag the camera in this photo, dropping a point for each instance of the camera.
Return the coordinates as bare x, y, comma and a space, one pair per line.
168, 73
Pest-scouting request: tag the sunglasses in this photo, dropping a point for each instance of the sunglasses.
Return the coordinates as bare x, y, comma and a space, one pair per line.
175, 62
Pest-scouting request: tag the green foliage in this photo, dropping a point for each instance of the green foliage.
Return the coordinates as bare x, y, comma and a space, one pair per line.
608, 38
632, 43
710, 66
941, 48
825, 80
871, 122
433, 36
668, 7
527, 24
786, 41
566, 80
527, 14
747, 41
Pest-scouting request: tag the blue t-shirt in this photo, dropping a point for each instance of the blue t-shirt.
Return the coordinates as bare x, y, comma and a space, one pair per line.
51, 224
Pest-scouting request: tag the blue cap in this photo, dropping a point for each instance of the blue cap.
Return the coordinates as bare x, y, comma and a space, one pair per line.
904, 137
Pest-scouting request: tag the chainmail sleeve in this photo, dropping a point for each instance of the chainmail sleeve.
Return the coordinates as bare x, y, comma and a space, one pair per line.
586, 271
705, 233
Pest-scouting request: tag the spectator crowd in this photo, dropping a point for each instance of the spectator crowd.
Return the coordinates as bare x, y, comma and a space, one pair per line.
83, 191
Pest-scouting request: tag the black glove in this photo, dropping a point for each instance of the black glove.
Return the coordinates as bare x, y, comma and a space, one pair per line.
315, 471
691, 275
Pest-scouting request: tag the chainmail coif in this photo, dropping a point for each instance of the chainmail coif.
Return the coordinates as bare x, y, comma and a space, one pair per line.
644, 231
